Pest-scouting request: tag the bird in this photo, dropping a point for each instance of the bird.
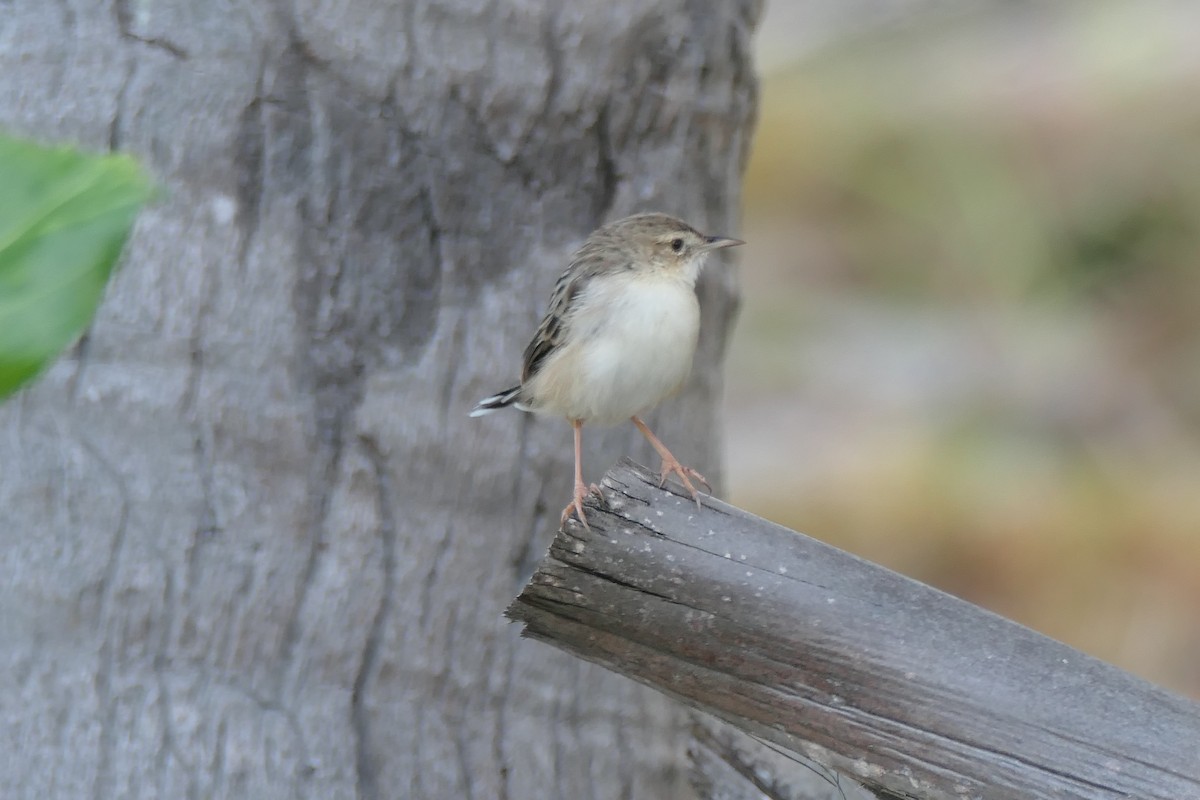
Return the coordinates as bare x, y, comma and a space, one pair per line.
618, 336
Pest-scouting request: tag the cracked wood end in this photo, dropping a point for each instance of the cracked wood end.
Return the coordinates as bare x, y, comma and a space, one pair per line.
912, 692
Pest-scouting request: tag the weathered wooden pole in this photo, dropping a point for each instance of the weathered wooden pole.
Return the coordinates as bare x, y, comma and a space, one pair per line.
910, 691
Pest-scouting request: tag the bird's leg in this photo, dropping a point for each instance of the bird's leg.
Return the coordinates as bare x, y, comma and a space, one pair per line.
581, 489
670, 464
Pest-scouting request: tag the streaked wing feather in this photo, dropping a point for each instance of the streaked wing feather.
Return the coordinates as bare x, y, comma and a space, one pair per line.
549, 335
590, 261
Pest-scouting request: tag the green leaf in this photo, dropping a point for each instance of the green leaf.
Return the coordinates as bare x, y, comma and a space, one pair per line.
64, 217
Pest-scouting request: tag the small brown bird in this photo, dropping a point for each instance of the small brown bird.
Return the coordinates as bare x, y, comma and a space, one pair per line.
619, 335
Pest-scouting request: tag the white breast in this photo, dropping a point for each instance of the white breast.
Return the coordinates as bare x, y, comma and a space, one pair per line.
632, 343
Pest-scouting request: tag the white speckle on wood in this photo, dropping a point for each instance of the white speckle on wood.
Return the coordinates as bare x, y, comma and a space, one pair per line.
864, 770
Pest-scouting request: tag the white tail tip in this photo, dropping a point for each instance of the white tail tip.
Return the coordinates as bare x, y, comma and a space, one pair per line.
489, 404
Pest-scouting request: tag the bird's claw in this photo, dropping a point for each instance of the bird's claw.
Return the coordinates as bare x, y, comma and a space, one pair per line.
576, 504
672, 466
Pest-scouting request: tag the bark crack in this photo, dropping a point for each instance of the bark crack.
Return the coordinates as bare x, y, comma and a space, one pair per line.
115, 124
168, 748
554, 56
464, 760
446, 391
218, 762
207, 300
524, 555
82, 351
501, 727
207, 525
366, 770
588, 570
248, 151
441, 550
607, 172
102, 787
326, 460
125, 25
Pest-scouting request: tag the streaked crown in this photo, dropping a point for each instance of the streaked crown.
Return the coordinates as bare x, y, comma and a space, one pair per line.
658, 241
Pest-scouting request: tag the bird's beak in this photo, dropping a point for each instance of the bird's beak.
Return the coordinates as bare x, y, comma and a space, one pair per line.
719, 242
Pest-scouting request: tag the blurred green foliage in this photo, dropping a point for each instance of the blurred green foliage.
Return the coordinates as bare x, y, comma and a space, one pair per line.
1016, 200
970, 343
64, 217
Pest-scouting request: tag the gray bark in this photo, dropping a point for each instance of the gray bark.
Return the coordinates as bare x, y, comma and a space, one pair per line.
251, 544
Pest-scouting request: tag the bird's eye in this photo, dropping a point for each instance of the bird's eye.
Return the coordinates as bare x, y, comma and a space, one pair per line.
677, 245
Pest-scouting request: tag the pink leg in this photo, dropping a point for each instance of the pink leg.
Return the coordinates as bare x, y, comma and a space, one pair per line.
581, 489
670, 464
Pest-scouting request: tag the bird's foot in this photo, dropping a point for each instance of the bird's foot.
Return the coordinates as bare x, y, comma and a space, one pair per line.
671, 466
576, 504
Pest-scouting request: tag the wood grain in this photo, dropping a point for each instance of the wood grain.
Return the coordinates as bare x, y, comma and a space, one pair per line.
908, 690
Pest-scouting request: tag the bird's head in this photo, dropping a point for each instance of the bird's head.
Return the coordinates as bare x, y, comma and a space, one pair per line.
658, 242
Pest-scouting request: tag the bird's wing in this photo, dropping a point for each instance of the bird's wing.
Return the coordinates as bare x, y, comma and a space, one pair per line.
587, 264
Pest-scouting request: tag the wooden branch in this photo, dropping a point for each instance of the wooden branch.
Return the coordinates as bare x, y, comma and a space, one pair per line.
912, 692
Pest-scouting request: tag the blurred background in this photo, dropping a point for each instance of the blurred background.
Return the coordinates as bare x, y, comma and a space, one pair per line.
969, 346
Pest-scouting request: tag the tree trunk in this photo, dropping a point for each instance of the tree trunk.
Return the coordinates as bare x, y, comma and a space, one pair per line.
240, 523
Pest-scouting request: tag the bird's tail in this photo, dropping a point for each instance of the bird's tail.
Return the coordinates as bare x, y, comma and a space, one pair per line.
497, 401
